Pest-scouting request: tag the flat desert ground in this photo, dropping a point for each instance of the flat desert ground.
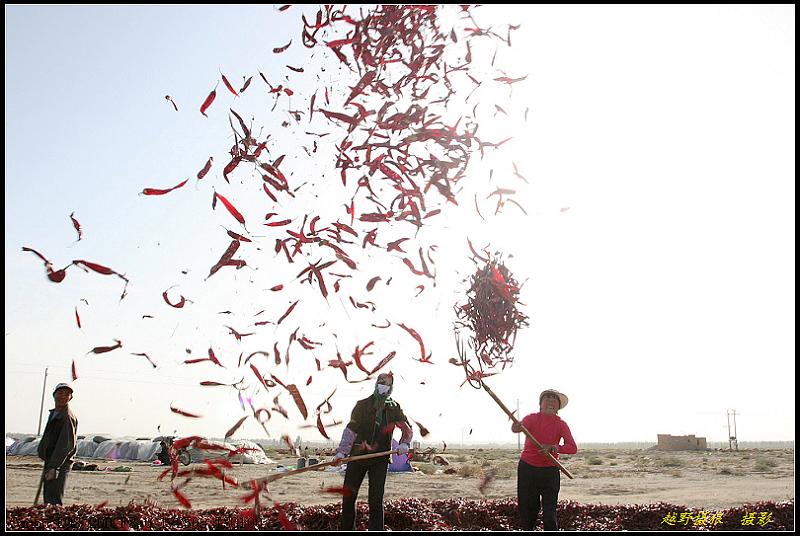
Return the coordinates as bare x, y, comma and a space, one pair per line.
697, 480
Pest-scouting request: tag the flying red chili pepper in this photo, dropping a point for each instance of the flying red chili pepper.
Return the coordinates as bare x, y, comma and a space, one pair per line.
202, 173
155, 191
56, 276
181, 497
411, 266
184, 413
278, 50
289, 442
178, 305
357, 357
237, 236
298, 400
288, 311
242, 124
237, 334
146, 357
228, 85
235, 427
508, 80
259, 376
413, 333
226, 257
383, 362
247, 83
209, 100
235, 213
395, 246
104, 349
488, 478
98, 268
230, 167
77, 226
213, 358
422, 430
477, 376
173, 102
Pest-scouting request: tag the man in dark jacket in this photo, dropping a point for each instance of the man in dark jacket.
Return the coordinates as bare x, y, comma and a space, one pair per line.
58, 445
370, 430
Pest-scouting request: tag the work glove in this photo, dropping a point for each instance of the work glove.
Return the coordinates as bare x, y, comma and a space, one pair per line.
338, 458
402, 449
50, 474
548, 449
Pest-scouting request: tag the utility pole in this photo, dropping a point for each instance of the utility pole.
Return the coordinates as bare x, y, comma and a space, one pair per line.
728, 415
41, 407
732, 439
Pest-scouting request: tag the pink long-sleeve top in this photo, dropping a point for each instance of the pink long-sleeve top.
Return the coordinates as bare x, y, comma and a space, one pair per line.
547, 431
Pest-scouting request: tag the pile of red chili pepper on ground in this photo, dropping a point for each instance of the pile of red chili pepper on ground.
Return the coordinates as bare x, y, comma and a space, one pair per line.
401, 514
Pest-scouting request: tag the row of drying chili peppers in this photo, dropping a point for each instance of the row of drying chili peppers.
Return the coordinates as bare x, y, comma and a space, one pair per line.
400, 514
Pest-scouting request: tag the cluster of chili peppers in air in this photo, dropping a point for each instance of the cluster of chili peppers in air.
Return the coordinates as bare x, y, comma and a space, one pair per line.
491, 313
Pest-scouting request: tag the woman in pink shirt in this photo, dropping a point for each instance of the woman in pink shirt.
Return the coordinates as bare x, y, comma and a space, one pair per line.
538, 478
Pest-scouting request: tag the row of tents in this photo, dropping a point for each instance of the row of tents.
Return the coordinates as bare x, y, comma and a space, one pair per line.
144, 450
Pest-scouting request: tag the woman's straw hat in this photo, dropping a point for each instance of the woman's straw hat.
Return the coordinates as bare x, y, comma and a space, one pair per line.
561, 397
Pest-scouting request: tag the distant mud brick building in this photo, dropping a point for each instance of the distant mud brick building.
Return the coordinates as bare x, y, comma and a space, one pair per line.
689, 442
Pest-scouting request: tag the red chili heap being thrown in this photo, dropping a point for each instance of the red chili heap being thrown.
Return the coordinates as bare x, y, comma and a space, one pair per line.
491, 313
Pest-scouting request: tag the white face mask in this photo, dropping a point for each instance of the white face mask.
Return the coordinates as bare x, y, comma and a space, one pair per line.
383, 389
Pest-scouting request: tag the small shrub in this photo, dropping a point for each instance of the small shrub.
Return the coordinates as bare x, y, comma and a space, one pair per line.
730, 471
469, 471
764, 466
428, 468
594, 460
669, 461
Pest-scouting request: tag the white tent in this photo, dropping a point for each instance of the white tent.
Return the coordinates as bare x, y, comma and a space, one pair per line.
86, 448
145, 450
253, 454
27, 446
126, 449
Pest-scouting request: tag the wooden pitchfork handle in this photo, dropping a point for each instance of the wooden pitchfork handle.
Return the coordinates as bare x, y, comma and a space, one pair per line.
525, 430
271, 478
41, 483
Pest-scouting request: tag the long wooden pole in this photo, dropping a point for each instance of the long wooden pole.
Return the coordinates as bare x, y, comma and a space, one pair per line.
274, 477
41, 483
525, 430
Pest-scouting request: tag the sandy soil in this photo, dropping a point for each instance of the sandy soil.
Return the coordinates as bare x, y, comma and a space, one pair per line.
710, 481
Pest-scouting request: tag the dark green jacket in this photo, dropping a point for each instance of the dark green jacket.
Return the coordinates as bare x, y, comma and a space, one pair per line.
377, 435
59, 442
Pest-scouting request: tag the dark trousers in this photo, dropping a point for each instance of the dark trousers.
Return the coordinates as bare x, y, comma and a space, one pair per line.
537, 488
54, 489
376, 468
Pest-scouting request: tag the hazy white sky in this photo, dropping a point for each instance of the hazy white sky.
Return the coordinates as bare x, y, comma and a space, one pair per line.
663, 296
